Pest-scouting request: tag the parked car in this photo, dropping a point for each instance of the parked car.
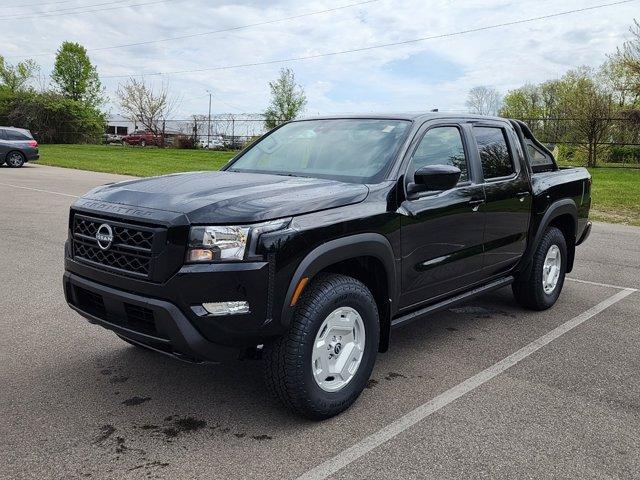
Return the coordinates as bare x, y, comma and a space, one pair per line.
109, 138
140, 137
311, 245
17, 147
212, 143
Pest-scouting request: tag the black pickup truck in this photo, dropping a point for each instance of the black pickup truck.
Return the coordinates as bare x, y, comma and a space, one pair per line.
322, 236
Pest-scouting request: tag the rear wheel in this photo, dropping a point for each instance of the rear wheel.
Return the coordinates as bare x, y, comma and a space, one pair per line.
541, 287
15, 159
143, 143
320, 367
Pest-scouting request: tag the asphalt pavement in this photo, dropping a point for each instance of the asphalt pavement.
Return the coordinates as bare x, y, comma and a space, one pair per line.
485, 390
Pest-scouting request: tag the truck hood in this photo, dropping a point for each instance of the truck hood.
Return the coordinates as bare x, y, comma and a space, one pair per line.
231, 197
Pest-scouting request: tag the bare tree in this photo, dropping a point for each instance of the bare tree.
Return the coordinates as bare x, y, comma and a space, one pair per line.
484, 100
141, 104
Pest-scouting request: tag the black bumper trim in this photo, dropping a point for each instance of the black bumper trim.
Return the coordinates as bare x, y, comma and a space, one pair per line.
177, 337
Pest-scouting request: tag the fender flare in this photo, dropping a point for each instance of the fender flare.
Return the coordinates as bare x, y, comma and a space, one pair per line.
556, 209
345, 248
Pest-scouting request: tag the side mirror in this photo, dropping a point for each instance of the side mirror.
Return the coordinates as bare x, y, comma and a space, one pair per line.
432, 178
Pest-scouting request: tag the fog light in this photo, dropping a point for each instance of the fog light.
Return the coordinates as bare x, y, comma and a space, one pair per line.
226, 308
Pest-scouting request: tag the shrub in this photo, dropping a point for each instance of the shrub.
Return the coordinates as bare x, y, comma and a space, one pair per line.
625, 154
51, 117
184, 141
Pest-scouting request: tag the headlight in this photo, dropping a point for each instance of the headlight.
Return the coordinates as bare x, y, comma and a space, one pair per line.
207, 244
226, 243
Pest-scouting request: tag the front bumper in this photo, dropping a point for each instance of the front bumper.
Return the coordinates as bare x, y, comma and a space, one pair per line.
156, 324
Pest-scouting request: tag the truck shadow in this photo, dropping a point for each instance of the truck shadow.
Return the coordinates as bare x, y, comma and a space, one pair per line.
149, 402
151, 386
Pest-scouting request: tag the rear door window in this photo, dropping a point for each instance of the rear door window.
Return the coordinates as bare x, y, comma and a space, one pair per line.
15, 135
494, 152
2, 135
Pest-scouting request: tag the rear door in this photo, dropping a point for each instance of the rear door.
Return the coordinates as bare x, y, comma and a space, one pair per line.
442, 232
507, 208
4, 145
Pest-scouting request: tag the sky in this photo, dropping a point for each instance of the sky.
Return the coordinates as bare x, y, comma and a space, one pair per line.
418, 76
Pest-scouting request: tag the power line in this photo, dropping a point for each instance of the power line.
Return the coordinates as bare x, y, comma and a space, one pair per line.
22, 5
374, 47
65, 11
222, 30
44, 12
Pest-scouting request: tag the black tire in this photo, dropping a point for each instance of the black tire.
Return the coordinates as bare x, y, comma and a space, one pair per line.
528, 290
15, 159
143, 143
287, 361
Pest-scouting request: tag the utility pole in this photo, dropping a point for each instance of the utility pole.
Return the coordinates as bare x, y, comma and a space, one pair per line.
209, 123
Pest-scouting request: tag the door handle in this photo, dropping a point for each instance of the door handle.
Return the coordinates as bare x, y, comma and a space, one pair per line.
476, 204
522, 194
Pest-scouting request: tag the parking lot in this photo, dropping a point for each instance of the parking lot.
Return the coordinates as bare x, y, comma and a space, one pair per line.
485, 390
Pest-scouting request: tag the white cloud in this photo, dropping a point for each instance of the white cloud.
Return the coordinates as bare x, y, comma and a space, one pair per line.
505, 58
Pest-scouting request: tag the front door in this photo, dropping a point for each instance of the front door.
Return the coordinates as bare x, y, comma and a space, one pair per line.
442, 232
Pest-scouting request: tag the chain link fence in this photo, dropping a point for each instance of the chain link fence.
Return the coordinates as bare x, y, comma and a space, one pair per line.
616, 139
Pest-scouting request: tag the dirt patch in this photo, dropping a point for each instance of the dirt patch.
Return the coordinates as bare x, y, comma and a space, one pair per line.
130, 402
105, 432
394, 375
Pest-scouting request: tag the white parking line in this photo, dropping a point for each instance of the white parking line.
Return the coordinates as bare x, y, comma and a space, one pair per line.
39, 190
385, 434
608, 285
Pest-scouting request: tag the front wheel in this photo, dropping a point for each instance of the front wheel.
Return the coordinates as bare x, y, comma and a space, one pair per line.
143, 143
15, 159
541, 286
320, 367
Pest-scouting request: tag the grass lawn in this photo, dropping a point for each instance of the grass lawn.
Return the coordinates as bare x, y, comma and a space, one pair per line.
143, 162
616, 191
616, 195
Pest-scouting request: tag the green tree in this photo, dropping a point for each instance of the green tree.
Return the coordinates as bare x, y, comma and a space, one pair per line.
590, 107
523, 102
630, 56
16, 77
75, 76
288, 100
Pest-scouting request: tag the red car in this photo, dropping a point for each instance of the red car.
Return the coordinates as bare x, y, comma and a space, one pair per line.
140, 137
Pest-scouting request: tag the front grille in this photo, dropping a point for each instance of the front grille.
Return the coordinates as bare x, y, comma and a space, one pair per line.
131, 251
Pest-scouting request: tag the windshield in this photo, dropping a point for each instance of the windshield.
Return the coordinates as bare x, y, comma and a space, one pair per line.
349, 150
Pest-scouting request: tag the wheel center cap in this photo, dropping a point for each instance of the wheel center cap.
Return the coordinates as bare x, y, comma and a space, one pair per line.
337, 349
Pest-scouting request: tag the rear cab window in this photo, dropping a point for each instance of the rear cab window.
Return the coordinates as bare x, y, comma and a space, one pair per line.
539, 160
495, 154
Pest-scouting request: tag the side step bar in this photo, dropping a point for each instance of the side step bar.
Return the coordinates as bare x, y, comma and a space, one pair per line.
410, 317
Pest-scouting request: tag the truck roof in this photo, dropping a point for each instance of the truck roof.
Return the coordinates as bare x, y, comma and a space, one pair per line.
412, 116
